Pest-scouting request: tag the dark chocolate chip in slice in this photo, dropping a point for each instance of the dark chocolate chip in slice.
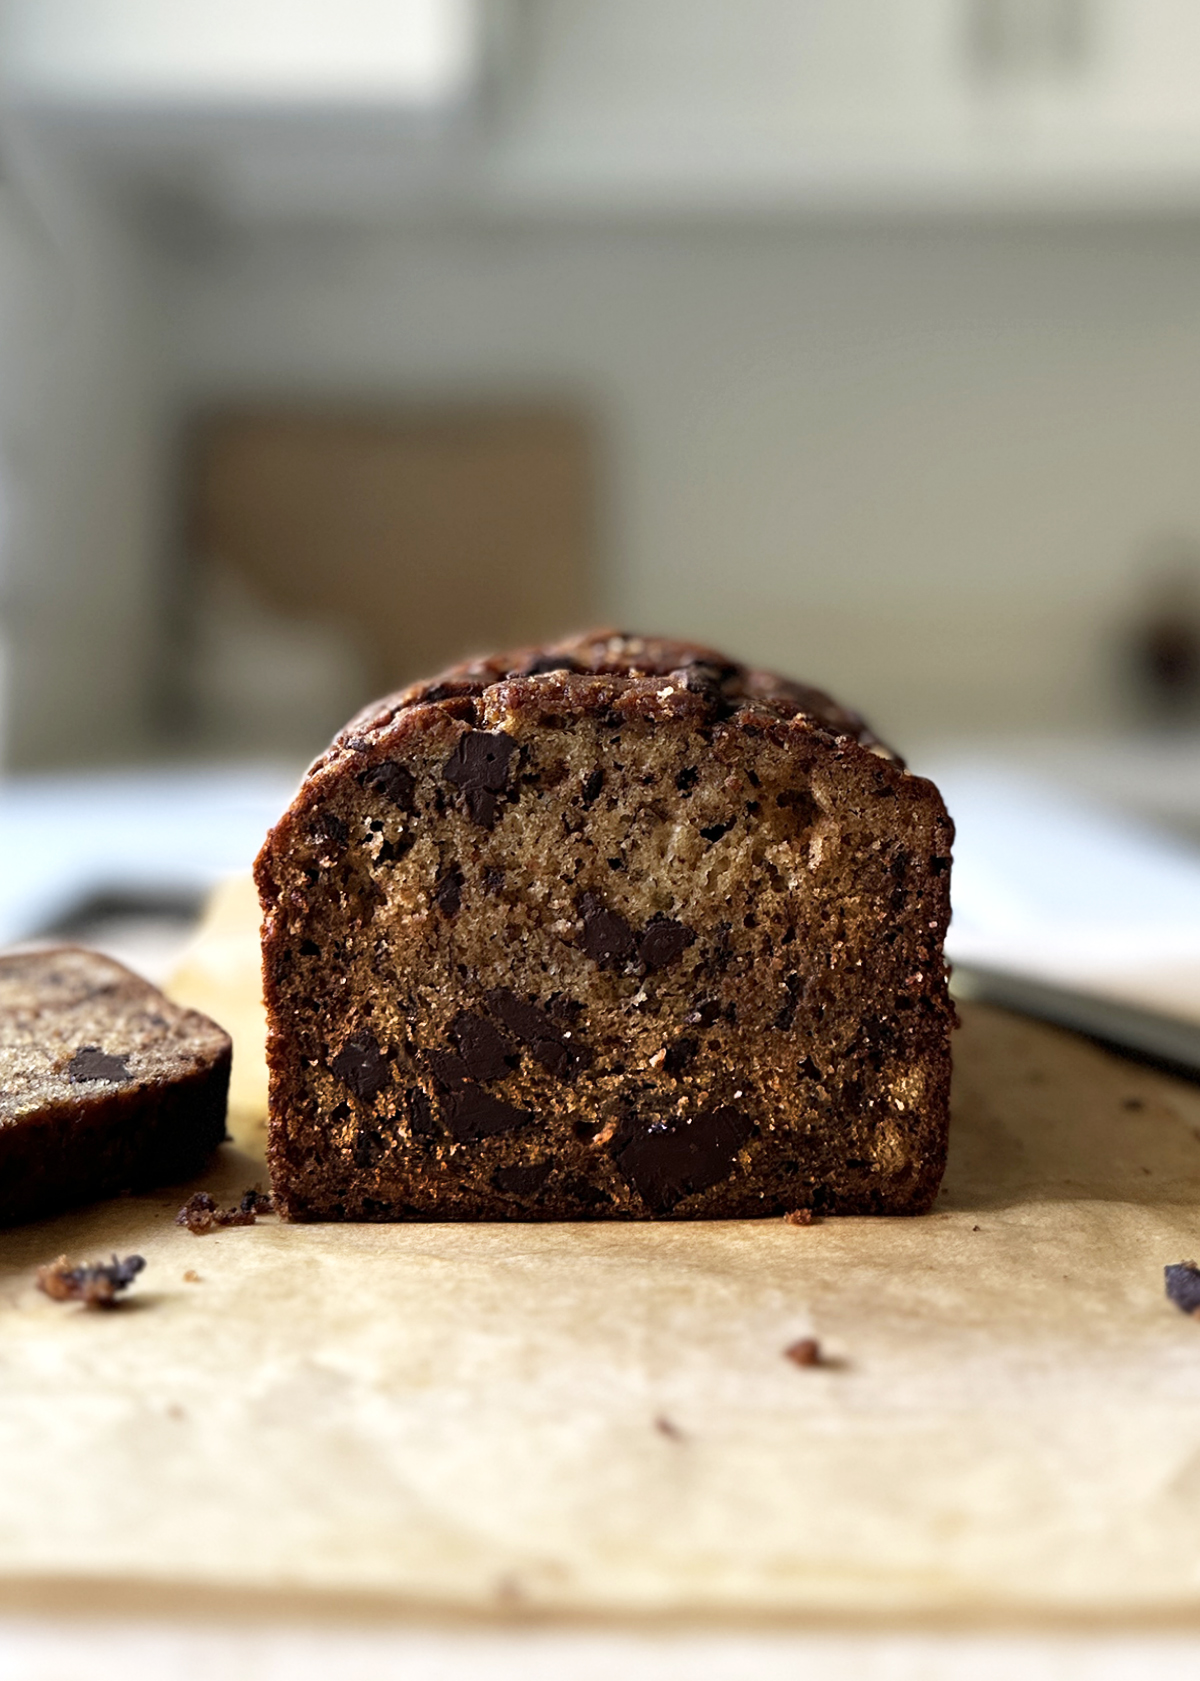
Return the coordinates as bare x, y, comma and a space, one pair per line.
670, 1160
329, 830
394, 781
1183, 1285
362, 1066
480, 761
664, 942
521, 1180
91, 1063
485, 1051
420, 1114
606, 935
447, 891
472, 1114
592, 785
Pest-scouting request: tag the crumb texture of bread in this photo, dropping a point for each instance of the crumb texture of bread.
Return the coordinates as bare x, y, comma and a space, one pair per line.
615, 929
107, 1086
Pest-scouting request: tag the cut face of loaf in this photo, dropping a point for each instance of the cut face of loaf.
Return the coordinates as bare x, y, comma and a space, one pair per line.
612, 930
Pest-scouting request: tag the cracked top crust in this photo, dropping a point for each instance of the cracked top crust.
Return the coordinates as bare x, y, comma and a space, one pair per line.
603, 669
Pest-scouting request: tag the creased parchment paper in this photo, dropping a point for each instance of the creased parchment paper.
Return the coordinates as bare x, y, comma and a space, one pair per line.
599, 1420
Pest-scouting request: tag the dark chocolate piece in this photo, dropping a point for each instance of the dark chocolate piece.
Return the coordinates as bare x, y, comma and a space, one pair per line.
395, 782
606, 935
664, 942
484, 1052
479, 767
670, 1160
91, 1063
362, 1066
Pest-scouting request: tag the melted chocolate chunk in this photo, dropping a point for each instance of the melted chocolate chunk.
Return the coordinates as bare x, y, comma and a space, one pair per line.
703, 1013
91, 1063
520, 1180
1183, 1286
362, 1066
484, 1051
591, 1196
421, 1120
591, 788
394, 781
670, 1160
479, 767
447, 891
607, 936
664, 942
533, 1027
472, 1114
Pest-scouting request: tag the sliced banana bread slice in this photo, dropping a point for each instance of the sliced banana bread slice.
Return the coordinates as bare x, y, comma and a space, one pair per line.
105, 1085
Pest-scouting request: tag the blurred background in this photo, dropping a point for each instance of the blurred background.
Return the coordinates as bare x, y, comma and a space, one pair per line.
342, 337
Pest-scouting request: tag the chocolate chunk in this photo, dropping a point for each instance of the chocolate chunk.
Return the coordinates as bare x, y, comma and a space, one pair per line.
520, 1180
670, 1160
805, 1352
583, 1191
703, 1013
526, 1020
420, 1114
447, 891
679, 1055
449, 1071
394, 781
606, 935
479, 767
91, 1063
591, 787
485, 1052
1183, 1286
664, 942
362, 1066
533, 1027
714, 831
472, 1114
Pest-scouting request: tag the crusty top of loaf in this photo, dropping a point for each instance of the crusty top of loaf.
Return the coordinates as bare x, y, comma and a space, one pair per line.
621, 663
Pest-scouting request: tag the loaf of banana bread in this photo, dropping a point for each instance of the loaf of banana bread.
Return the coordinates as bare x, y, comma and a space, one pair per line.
612, 929
105, 1085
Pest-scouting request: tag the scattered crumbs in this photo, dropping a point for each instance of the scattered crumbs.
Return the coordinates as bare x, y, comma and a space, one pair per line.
976, 1228
191, 1276
800, 1217
667, 1427
201, 1213
1132, 1103
806, 1352
95, 1284
1183, 1286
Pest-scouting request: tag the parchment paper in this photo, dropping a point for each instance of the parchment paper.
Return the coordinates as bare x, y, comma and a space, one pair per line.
598, 1419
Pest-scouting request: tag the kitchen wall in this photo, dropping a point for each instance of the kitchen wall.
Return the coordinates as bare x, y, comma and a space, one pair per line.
921, 463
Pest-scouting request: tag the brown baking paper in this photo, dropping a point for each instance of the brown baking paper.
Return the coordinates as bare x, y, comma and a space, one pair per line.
599, 1419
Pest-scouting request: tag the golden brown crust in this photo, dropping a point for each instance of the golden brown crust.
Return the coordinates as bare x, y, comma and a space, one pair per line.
564, 941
